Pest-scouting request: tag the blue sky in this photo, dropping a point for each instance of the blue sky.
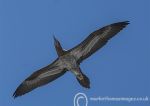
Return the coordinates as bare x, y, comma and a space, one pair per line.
120, 69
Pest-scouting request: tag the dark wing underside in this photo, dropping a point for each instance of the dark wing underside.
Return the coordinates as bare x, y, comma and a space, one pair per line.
96, 40
39, 78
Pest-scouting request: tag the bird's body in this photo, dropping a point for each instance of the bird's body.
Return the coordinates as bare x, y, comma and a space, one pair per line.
70, 60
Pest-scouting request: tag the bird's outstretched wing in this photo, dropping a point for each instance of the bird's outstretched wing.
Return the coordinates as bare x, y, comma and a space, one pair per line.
96, 40
39, 78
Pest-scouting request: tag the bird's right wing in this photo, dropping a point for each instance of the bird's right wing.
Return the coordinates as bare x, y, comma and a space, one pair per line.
96, 40
40, 77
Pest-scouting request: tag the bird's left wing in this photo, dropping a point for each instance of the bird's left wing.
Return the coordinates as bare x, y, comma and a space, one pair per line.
96, 40
40, 77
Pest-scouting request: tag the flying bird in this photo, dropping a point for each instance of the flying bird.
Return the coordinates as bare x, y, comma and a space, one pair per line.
70, 60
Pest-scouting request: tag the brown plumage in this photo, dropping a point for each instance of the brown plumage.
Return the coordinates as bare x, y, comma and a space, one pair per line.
70, 60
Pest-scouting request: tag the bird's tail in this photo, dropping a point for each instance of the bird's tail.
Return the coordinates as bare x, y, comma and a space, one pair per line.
85, 82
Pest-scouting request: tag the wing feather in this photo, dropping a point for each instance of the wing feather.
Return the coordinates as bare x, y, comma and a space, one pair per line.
40, 78
96, 40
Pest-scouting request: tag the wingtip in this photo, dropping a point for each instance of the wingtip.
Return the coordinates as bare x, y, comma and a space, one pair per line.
18, 91
14, 95
121, 24
125, 22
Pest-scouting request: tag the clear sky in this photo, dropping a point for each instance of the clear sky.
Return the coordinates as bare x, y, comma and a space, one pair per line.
120, 69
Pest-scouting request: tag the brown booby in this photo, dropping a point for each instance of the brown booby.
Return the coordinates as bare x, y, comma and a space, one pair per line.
70, 60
